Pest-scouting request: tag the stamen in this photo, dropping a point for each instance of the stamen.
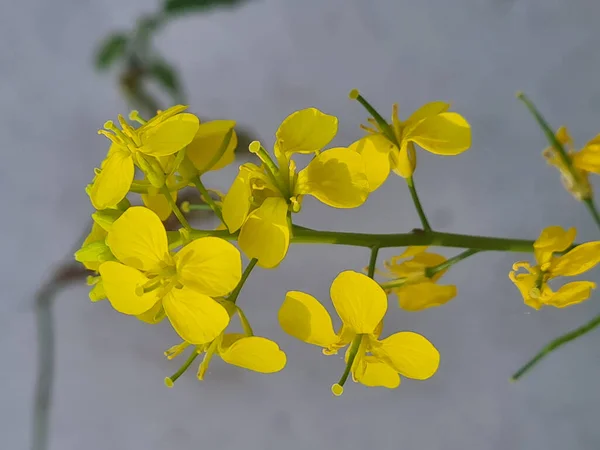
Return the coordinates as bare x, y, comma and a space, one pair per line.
110, 125
135, 116
114, 139
212, 348
368, 129
149, 286
176, 350
127, 129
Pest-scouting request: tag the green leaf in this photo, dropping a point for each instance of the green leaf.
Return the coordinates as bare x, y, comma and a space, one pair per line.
111, 49
183, 6
167, 77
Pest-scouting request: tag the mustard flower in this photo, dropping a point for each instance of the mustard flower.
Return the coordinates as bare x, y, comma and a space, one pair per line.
416, 291
254, 353
575, 178
361, 305
432, 127
163, 135
261, 199
533, 284
148, 279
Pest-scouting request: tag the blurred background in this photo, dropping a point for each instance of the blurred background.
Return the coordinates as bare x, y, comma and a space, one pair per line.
256, 62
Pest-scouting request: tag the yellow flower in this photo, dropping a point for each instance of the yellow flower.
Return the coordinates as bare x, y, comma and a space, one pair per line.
432, 127
361, 304
204, 148
533, 285
254, 353
417, 291
261, 199
184, 284
575, 179
165, 134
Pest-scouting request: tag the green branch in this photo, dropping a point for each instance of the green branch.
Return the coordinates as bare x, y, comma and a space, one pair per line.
555, 344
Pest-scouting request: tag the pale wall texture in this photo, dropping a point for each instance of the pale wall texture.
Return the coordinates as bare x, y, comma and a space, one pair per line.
257, 64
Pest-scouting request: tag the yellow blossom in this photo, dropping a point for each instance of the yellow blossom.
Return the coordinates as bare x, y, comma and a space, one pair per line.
575, 178
361, 305
533, 284
254, 353
163, 135
184, 284
204, 149
416, 291
261, 199
432, 127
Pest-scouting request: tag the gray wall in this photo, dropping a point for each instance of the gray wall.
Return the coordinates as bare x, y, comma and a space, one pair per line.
257, 64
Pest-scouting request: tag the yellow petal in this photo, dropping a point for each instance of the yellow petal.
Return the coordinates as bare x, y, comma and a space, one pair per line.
375, 152
588, 159
169, 136
120, 283
336, 177
236, 205
207, 143
552, 239
578, 260
306, 131
410, 354
526, 283
254, 353
416, 297
413, 250
404, 160
359, 301
414, 268
138, 239
376, 373
426, 111
444, 134
209, 265
159, 204
196, 317
571, 294
113, 182
304, 317
266, 235
154, 315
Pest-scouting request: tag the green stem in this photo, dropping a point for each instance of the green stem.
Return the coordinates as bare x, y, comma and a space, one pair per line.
556, 343
173, 378
373, 261
591, 206
383, 125
415, 198
431, 271
236, 292
547, 131
429, 238
351, 357
207, 198
175, 208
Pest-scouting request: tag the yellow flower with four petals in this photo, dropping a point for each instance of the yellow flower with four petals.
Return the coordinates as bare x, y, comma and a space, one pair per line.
533, 284
261, 199
416, 291
361, 305
149, 280
432, 127
163, 135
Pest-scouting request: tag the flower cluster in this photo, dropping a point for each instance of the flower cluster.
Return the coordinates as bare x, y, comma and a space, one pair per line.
194, 277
